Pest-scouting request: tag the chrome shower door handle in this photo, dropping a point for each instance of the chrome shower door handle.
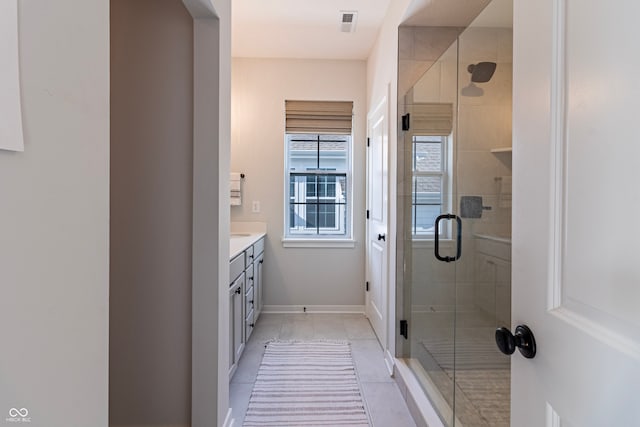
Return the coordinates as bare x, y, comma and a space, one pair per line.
458, 238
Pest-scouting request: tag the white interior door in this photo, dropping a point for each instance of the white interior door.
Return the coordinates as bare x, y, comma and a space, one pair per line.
377, 224
576, 270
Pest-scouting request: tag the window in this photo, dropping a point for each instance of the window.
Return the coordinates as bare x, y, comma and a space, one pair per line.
431, 127
318, 170
429, 157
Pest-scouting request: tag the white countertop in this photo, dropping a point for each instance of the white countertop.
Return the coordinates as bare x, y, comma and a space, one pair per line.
239, 241
494, 237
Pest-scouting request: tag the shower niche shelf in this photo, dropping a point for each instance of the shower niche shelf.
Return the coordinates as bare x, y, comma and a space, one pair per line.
501, 150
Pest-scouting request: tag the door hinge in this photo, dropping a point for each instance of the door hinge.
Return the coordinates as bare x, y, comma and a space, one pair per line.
368, 141
367, 213
367, 286
406, 121
404, 329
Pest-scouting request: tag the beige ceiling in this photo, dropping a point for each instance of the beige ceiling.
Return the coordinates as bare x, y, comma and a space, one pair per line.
304, 28
459, 13
311, 28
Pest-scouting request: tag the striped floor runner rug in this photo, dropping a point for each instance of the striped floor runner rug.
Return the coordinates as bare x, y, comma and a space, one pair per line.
306, 384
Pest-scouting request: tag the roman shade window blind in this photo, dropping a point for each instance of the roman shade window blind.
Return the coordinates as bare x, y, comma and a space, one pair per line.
319, 117
432, 118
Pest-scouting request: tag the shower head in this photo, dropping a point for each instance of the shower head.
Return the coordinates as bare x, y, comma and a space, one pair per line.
482, 71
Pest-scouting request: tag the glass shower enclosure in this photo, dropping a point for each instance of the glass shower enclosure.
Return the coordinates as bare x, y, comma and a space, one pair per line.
455, 198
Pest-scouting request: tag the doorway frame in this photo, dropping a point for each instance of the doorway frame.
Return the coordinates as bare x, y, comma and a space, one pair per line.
211, 216
388, 338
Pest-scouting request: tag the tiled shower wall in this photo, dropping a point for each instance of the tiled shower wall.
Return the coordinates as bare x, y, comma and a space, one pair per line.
483, 124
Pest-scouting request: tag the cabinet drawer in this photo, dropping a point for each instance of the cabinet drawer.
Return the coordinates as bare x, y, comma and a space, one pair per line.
248, 256
258, 247
248, 324
250, 277
236, 267
248, 300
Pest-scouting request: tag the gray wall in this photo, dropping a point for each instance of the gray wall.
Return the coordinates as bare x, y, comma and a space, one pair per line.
54, 220
151, 211
296, 276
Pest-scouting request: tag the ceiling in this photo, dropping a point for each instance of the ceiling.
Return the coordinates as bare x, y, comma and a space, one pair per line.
311, 28
304, 28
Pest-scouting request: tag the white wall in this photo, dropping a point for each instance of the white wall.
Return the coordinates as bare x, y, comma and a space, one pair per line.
296, 276
382, 78
382, 64
54, 243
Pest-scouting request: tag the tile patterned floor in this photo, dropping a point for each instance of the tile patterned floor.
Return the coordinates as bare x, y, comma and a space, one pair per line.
386, 406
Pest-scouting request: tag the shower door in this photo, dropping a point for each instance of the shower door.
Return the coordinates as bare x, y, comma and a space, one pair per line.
457, 163
483, 202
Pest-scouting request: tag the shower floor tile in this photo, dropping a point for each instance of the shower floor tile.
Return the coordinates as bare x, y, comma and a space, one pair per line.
481, 384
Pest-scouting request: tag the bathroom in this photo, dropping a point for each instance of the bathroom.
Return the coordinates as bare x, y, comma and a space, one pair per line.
463, 301
330, 275
117, 221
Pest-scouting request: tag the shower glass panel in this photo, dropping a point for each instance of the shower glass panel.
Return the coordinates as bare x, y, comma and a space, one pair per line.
457, 161
483, 187
429, 160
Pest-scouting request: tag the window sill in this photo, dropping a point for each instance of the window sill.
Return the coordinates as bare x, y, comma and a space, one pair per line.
318, 243
430, 243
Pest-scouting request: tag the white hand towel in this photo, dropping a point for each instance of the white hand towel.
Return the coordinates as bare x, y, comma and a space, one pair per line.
235, 189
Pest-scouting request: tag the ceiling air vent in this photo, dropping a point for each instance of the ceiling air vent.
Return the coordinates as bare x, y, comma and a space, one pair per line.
348, 20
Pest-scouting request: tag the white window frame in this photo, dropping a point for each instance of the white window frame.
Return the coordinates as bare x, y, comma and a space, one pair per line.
446, 192
311, 237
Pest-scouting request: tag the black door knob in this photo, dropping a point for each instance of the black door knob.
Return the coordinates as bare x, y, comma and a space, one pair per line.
382, 237
523, 339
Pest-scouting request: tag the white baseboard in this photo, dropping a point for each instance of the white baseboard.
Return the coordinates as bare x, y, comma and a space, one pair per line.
389, 360
343, 309
433, 308
419, 404
229, 420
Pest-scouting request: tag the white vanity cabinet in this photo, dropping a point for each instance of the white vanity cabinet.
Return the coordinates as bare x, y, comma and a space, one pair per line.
493, 278
248, 295
257, 286
258, 265
245, 295
236, 338
254, 258
237, 279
